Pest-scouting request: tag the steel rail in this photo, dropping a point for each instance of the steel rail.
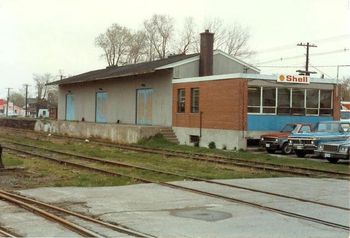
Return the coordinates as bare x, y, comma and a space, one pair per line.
115, 227
6, 233
115, 163
230, 199
69, 225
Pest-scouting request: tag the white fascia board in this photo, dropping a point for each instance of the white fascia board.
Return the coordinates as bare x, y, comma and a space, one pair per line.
178, 63
236, 59
245, 76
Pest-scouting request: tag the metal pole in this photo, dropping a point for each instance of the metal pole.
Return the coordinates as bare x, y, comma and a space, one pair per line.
26, 85
8, 101
200, 124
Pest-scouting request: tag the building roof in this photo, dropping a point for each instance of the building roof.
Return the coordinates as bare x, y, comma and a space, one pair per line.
122, 71
141, 68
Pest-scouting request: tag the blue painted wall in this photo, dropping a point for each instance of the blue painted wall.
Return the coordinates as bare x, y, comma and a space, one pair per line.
276, 122
70, 107
101, 107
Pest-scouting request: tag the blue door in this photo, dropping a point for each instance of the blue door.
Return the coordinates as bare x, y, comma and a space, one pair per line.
101, 107
144, 99
70, 108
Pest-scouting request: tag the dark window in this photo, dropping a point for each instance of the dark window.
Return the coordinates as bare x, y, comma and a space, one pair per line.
194, 139
326, 103
269, 100
298, 101
181, 100
312, 101
194, 100
283, 106
254, 99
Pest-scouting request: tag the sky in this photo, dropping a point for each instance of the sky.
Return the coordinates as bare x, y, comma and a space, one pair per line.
57, 36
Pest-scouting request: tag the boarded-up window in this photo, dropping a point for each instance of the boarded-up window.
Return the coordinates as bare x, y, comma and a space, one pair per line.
144, 106
70, 107
101, 107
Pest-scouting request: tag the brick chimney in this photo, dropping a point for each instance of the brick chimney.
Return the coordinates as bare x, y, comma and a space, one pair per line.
206, 54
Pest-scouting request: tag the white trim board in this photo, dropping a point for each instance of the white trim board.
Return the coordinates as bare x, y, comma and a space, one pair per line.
244, 76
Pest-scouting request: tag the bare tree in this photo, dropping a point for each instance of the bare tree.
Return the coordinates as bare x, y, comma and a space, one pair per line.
42, 89
18, 99
187, 40
40, 84
345, 89
137, 47
159, 30
232, 39
115, 43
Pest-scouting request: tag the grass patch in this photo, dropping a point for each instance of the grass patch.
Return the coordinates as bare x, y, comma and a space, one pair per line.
158, 141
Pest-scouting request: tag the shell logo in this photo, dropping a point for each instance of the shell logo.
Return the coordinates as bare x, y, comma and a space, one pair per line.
282, 78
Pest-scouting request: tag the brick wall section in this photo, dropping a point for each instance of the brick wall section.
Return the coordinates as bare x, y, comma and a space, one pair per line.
336, 102
18, 123
223, 103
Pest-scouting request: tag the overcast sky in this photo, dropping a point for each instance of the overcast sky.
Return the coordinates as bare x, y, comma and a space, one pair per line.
45, 36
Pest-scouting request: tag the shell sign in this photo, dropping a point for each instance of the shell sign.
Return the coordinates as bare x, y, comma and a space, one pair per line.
283, 78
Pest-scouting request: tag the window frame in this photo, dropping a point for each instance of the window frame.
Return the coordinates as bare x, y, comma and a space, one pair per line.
291, 113
193, 106
181, 102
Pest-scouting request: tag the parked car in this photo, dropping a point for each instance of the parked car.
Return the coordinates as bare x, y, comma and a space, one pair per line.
330, 131
279, 140
334, 151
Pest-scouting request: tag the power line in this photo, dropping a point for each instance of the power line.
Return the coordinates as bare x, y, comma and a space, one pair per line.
289, 46
300, 56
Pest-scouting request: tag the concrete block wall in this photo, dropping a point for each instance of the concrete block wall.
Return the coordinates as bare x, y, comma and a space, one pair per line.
113, 132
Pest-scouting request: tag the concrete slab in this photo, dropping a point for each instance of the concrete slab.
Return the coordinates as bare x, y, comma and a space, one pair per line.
165, 212
27, 224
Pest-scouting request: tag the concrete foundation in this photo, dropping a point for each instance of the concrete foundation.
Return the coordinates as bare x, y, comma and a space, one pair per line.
119, 133
229, 139
165, 212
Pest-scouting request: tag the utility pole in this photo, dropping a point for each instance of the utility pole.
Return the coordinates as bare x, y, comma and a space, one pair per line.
8, 101
308, 45
26, 101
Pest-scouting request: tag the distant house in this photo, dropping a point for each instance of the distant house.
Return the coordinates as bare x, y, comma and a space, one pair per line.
13, 110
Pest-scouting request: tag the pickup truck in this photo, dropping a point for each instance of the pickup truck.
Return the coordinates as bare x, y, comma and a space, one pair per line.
334, 151
328, 131
279, 140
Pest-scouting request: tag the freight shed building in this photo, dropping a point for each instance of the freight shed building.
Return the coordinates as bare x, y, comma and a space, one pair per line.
199, 98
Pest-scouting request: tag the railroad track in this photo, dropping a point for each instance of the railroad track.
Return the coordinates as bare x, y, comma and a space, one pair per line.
182, 176
197, 191
45, 210
295, 170
217, 159
5, 233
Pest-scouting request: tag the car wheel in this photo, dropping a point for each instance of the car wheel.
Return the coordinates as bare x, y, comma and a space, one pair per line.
332, 160
270, 151
286, 149
300, 153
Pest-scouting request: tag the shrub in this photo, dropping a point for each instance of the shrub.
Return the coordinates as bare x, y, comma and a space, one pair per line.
224, 147
212, 145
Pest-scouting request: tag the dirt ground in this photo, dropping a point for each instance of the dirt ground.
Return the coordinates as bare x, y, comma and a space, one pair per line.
20, 178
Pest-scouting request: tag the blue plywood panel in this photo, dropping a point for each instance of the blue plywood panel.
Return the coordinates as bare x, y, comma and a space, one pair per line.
276, 122
70, 107
144, 103
101, 107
